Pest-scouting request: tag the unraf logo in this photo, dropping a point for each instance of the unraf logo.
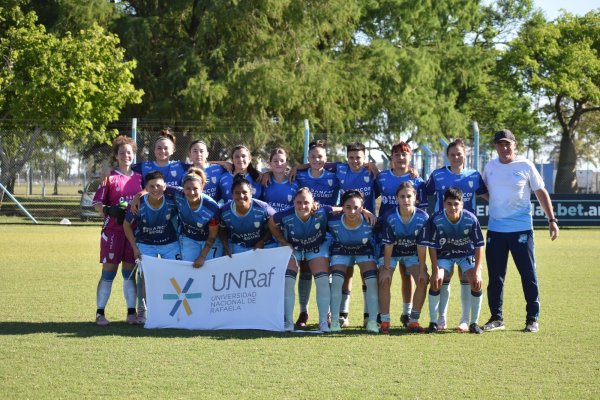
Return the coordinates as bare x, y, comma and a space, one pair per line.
248, 278
181, 296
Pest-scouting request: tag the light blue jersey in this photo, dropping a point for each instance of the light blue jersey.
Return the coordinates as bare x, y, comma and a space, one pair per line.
246, 230
442, 179
280, 195
325, 188
194, 223
213, 178
452, 240
173, 171
155, 226
402, 235
363, 181
356, 241
226, 182
387, 184
304, 235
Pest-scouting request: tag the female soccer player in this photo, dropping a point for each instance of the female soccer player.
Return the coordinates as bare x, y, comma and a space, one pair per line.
198, 154
352, 244
199, 219
454, 236
279, 191
111, 198
155, 232
242, 164
164, 147
400, 229
471, 183
325, 188
244, 220
387, 183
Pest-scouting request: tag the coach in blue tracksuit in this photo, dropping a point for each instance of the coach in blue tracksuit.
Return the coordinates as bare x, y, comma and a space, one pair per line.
510, 182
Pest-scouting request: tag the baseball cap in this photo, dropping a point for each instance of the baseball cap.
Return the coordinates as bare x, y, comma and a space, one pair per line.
504, 134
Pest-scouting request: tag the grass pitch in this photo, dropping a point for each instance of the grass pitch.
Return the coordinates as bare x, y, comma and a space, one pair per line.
50, 348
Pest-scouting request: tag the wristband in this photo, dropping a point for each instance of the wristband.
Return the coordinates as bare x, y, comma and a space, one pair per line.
553, 220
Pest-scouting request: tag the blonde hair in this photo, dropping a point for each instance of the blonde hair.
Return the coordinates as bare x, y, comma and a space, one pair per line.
194, 174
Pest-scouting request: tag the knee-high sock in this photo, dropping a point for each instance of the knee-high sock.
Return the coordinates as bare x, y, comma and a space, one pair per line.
465, 301
337, 281
104, 289
434, 303
444, 297
476, 298
141, 301
345, 302
129, 290
323, 295
372, 294
304, 286
289, 297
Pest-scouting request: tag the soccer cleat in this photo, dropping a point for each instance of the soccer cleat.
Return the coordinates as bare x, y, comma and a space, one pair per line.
415, 327
335, 327
288, 326
441, 324
462, 327
384, 327
494, 325
324, 327
141, 316
531, 325
432, 328
373, 327
132, 319
344, 321
404, 319
302, 320
474, 328
101, 320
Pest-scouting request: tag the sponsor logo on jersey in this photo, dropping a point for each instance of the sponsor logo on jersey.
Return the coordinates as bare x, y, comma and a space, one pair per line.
523, 239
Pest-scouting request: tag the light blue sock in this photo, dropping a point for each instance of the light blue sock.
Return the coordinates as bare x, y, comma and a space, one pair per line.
304, 286
289, 297
385, 317
337, 281
406, 308
444, 297
129, 291
323, 295
372, 295
434, 303
104, 288
476, 298
465, 301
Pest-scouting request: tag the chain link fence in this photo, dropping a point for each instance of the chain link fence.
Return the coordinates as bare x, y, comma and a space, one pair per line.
57, 183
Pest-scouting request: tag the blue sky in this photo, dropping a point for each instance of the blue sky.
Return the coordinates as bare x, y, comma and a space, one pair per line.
552, 7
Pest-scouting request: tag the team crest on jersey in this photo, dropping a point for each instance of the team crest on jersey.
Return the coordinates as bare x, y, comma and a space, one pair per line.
173, 174
367, 179
523, 239
471, 184
289, 197
168, 217
466, 231
145, 222
442, 241
317, 225
257, 224
330, 182
341, 181
213, 179
199, 224
111, 255
365, 240
253, 190
416, 232
117, 189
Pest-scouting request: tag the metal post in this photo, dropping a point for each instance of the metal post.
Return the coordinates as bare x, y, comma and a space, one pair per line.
306, 140
134, 134
475, 146
444, 144
427, 166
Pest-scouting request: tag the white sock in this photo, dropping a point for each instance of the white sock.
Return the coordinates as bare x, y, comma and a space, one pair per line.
434, 303
444, 297
406, 308
337, 281
323, 295
372, 294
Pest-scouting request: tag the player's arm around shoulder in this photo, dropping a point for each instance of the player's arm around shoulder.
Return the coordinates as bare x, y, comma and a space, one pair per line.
546, 204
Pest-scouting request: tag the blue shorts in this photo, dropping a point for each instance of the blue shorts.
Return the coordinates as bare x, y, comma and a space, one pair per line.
465, 263
310, 254
349, 261
191, 249
169, 251
407, 261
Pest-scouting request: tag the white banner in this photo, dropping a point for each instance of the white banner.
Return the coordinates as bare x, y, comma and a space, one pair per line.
243, 292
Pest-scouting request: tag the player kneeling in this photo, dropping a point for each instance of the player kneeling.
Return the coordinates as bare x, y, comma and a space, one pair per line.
454, 236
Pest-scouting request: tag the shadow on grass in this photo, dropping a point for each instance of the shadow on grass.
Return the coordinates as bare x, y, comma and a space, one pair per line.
89, 329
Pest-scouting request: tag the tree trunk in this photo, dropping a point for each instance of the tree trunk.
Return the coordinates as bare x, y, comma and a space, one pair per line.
566, 173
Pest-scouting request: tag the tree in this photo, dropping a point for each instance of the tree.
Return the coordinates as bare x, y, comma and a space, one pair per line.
68, 87
560, 61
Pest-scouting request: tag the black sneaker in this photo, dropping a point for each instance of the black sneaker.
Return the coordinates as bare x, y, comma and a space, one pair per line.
493, 325
432, 328
474, 328
405, 319
531, 325
302, 320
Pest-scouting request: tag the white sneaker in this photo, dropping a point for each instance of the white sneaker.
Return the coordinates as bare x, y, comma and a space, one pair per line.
141, 316
462, 327
101, 320
344, 321
324, 327
441, 324
288, 326
372, 327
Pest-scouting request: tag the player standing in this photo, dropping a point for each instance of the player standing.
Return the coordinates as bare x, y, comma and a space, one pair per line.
111, 199
198, 154
242, 164
278, 191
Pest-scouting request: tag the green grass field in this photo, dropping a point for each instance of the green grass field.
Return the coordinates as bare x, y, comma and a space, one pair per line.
49, 347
